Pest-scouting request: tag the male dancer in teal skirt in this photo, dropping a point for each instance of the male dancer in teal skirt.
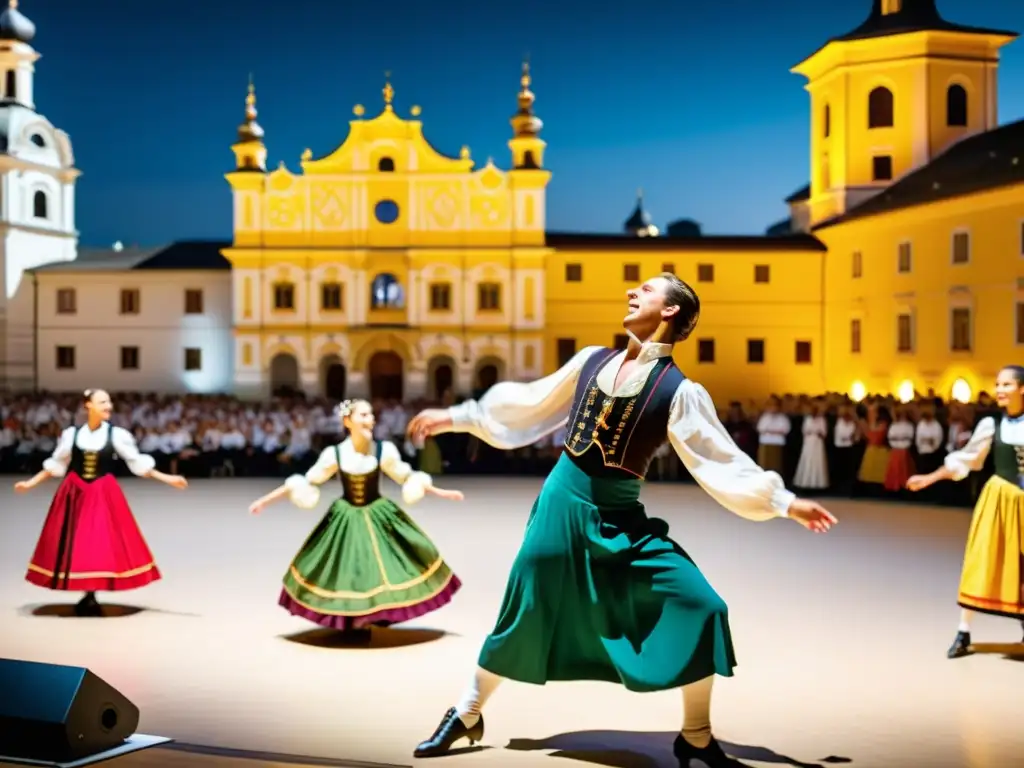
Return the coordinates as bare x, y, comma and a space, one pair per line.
598, 590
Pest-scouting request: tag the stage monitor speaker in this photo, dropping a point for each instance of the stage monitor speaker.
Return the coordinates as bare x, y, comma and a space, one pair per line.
55, 713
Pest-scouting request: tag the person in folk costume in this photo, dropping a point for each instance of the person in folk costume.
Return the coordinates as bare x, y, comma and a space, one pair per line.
598, 590
812, 470
875, 461
90, 541
366, 563
992, 578
901, 463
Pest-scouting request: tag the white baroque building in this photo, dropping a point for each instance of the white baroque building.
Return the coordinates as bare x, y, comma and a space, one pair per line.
37, 194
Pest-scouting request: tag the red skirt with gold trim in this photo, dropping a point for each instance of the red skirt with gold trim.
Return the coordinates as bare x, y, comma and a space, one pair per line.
90, 541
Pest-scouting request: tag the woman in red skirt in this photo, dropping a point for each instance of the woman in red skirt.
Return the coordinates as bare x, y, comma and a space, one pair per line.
90, 540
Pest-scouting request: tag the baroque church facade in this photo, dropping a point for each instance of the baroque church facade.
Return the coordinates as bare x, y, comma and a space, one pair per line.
388, 268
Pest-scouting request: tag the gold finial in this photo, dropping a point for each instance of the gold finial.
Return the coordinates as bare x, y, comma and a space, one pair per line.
307, 154
416, 110
358, 110
389, 92
464, 153
524, 80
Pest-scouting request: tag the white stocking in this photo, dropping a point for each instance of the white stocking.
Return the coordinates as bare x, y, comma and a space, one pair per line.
479, 691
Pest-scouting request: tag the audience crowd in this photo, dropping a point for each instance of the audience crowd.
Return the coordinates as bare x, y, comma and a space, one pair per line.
821, 445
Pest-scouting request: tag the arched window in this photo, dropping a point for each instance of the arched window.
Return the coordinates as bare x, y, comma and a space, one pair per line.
40, 205
386, 165
386, 292
11, 85
880, 108
956, 106
826, 120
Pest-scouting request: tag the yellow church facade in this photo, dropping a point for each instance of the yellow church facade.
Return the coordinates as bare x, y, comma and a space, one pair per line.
389, 269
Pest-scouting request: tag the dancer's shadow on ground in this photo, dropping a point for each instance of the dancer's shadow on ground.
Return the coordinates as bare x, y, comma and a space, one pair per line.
1009, 651
380, 637
631, 749
108, 611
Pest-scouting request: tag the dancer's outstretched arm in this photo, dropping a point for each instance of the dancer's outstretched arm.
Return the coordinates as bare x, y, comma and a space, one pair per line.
414, 484
55, 466
140, 464
512, 414
959, 464
728, 474
302, 490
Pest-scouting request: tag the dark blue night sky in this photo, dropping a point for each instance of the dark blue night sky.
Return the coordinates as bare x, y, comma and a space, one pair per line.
693, 101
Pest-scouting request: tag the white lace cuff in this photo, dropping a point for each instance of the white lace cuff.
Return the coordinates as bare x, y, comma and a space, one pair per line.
415, 488
302, 493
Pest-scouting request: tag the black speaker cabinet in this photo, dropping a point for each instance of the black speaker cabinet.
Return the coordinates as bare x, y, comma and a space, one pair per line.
58, 714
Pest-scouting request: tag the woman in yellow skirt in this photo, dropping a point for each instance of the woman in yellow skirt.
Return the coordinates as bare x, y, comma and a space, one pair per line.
875, 463
992, 580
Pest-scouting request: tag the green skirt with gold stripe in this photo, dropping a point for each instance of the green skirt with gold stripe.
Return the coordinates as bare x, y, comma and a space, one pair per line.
368, 565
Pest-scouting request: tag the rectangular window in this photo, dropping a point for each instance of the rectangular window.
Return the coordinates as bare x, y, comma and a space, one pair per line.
960, 329
566, 349
488, 297
284, 296
67, 301
855, 336
440, 297
193, 359
755, 351
705, 350
1022, 238
803, 352
65, 358
961, 248
194, 301
129, 358
631, 273
621, 341
762, 273
573, 273
331, 297
705, 273
903, 259
1020, 322
881, 167
669, 267
131, 301
904, 333
857, 265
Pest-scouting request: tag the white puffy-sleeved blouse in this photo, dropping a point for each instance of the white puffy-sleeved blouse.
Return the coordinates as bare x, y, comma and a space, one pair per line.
121, 440
971, 457
303, 490
513, 414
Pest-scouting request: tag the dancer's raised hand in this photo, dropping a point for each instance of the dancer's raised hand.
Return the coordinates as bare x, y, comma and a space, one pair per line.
449, 495
811, 515
22, 486
257, 506
427, 423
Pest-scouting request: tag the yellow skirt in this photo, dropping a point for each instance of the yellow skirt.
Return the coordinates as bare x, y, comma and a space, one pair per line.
992, 580
874, 464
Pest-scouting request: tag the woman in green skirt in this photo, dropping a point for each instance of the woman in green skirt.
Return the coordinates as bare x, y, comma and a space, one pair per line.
366, 563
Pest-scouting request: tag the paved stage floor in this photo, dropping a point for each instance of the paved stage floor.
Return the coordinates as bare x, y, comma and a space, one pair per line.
841, 639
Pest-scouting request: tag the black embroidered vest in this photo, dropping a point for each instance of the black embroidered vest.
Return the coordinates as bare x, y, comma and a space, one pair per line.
91, 465
360, 490
617, 437
1008, 459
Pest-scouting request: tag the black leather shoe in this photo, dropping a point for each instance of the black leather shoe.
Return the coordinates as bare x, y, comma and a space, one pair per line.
449, 731
712, 755
960, 647
88, 606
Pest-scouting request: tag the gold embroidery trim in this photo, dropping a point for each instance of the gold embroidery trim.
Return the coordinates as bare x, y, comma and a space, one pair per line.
92, 574
385, 587
375, 609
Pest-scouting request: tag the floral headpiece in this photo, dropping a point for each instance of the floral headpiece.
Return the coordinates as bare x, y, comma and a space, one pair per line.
345, 408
